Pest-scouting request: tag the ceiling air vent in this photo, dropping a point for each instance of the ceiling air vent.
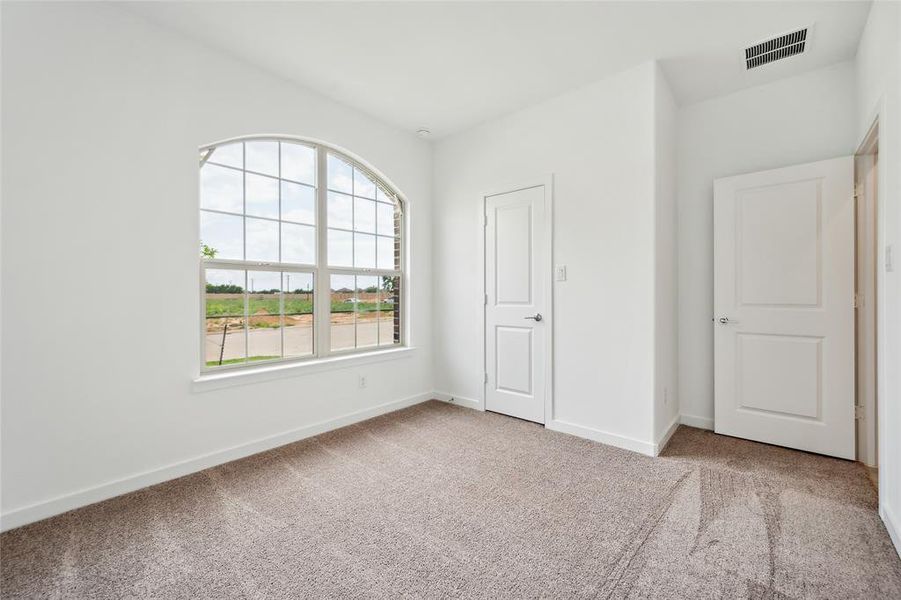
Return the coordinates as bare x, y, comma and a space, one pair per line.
776, 49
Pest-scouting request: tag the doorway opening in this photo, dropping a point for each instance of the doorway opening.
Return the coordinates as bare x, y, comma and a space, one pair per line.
866, 165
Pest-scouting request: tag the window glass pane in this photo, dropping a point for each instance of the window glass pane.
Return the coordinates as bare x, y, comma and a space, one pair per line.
262, 240
262, 157
262, 196
298, 244
298, 203
298, 332
364, 251
224, 341
228, 154
343, 313
223, 234
367, 310
389, 311
264, 332
224, 331
385, 218
340, 175
363, 185
221, 189
340, 248
364, 215
224, 293
387, 253
299, 163
340, 211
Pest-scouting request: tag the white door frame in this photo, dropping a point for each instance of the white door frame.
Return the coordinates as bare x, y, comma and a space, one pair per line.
866, 192
548, 282
887, 467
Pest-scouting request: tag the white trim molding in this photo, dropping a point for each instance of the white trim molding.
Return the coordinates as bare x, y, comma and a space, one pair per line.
699, 422
54, 506
233, 377
604, 437
892, 525
458, 400
665, 438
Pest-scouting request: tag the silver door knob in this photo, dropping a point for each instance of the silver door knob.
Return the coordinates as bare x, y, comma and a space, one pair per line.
537, 317
724, 320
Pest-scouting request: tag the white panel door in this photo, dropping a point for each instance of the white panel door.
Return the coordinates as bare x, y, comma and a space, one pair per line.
783, 307
517, 264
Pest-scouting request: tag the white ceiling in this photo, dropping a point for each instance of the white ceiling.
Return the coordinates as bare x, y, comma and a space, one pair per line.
450, 65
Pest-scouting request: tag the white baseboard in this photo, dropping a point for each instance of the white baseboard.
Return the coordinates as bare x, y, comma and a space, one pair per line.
664, 439
699, 422
604, 437
42, 510
458, 400
892, 525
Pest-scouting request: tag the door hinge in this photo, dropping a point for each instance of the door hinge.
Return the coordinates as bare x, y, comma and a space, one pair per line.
486, 377
858, 412
857, 301
484, 220
858, 191
486, 299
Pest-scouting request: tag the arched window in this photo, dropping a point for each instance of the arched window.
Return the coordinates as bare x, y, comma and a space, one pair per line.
301, 254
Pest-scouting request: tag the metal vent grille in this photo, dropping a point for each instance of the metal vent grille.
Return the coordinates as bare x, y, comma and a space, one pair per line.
776, 49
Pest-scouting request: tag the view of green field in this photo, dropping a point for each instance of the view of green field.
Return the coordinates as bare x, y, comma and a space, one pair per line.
222, 305
268, 324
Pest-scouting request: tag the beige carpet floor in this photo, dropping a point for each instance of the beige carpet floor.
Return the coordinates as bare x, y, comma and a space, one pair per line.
438, 501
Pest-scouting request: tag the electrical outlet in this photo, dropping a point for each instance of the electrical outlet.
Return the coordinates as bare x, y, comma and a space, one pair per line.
362, 381
889, 259
560, 272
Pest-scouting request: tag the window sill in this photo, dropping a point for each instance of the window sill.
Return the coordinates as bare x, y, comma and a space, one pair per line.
216, 381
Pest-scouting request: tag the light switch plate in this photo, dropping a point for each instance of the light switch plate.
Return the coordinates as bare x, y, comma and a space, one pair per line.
560, 272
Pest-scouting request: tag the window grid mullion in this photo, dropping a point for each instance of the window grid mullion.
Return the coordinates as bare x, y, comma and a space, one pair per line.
246, 319
270, 219
244, 253
322, 293
281, 310
281, 275
243, 202
353, 227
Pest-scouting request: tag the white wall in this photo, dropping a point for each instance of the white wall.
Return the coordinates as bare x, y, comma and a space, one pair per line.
666, 392
796, 120
878, 63
102, 117
598, 142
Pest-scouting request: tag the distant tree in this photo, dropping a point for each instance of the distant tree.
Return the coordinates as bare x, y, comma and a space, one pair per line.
224, 288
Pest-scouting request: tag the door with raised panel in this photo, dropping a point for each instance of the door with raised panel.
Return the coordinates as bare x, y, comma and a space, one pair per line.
783, 307
517, 263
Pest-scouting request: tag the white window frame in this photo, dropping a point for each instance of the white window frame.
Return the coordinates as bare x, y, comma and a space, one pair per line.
321, 272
